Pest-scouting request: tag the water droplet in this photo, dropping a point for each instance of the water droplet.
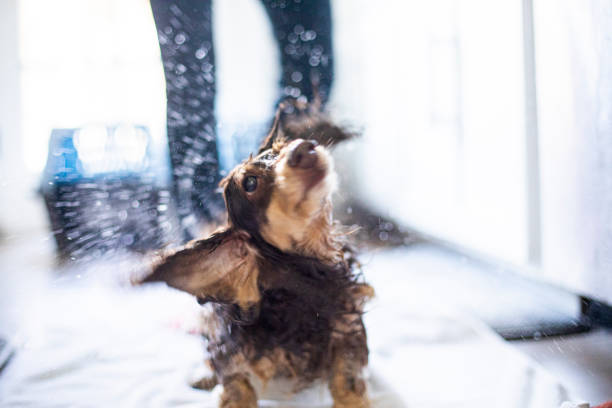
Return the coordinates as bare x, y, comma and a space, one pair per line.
194, 103
298, 29
180, 38
292, 38
308, 35
317, 50
189, 220
314, 61
383, 235
185, 184
175, 23
296, 76
201, 53
290, 49
349, 210
292, 91
175, 10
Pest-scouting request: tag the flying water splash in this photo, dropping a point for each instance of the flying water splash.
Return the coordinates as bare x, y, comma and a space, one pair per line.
302, 31
101, 188
105, 193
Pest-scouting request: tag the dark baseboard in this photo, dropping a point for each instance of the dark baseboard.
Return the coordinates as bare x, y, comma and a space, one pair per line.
543, 331
595, 312
6, 353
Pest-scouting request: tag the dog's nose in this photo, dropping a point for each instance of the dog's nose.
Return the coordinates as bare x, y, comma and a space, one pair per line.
303, 154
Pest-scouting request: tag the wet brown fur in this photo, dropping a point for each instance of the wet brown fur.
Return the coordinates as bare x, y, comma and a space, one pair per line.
285, 298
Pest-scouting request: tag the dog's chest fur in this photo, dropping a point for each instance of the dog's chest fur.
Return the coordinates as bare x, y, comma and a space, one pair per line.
308, 309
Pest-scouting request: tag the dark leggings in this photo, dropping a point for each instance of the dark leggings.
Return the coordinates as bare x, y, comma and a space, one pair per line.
302, 29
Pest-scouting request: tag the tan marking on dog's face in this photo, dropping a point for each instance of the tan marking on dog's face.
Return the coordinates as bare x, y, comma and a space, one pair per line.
290, 206
299, 212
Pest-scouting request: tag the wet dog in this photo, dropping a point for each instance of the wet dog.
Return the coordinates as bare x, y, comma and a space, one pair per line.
281, 286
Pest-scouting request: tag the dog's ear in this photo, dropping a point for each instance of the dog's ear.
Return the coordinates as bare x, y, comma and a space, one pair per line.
297, 120
220, 268
275, 132
315, 125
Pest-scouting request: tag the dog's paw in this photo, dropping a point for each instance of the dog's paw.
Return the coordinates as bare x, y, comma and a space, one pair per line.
356, 402
238, 393
206, 383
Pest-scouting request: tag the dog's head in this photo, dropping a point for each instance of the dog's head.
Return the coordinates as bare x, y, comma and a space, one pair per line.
281, 196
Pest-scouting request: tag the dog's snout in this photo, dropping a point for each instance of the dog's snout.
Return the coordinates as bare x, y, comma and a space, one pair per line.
303, 154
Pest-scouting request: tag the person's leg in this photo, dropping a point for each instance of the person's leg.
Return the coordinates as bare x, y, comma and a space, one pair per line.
184, 29
303, 30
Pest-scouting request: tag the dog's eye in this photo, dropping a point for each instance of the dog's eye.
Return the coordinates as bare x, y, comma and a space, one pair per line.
250, 184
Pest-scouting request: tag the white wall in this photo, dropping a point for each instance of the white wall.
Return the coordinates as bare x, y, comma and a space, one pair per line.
64, 64
438, 88
19, 209
9, 83
574, 67
87, 62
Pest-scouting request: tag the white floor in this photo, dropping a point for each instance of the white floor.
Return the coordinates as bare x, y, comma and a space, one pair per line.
583, 362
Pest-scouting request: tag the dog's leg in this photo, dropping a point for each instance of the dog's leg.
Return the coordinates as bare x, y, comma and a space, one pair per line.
347, 385
238, 393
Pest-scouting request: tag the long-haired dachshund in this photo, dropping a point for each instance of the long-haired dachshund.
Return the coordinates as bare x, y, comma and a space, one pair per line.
284, 295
